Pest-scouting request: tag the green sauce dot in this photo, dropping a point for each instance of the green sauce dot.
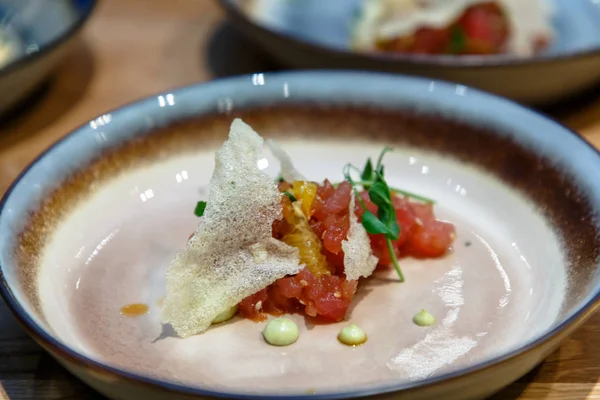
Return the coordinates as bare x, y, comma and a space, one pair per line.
281, 332
352, 335
423, 318
225, 315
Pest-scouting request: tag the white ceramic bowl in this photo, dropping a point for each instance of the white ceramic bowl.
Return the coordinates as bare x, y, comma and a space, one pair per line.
91, 225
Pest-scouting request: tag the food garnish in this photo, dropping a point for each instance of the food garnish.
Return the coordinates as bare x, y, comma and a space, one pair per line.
385, 223
281, 332
370, 175
359, 260
288, 172
232, 254
352, 335
423, 318
200, 207
290, 196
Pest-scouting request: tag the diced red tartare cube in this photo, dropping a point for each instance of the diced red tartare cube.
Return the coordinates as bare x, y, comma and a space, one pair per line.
328, 296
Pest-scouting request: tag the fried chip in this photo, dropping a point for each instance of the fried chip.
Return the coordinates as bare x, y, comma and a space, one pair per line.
232, 254
289, 173
358, 255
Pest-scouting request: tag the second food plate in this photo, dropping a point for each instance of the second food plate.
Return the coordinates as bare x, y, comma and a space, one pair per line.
318, 34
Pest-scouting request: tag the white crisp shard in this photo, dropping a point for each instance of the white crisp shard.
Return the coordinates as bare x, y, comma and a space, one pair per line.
358, 255
288, 172
232, 254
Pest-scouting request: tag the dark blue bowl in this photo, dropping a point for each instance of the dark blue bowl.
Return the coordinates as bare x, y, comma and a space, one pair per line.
39, 34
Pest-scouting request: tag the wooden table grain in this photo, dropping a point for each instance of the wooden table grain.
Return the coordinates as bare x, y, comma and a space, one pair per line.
134, 48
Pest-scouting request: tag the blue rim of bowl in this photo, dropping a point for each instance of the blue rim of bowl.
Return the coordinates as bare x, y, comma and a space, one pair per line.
471, 62
37, 332
83, 16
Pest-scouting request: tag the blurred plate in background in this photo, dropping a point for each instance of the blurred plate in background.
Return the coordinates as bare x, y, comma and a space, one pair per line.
34, 36
316, 34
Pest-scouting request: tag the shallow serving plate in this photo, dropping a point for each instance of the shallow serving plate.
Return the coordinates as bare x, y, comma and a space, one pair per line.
90, 226
39, 35
316, 33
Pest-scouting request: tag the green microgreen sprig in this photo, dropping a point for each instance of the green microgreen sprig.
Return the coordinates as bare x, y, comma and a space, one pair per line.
290, 196
458, 40
384, 223
368, 176
200, 207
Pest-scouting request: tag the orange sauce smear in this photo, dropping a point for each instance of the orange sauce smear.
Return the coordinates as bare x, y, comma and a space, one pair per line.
135, 310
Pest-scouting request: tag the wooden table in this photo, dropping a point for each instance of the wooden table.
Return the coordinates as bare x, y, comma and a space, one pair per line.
134, 48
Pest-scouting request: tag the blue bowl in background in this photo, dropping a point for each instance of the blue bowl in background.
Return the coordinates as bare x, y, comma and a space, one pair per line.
34, 37
316, 34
